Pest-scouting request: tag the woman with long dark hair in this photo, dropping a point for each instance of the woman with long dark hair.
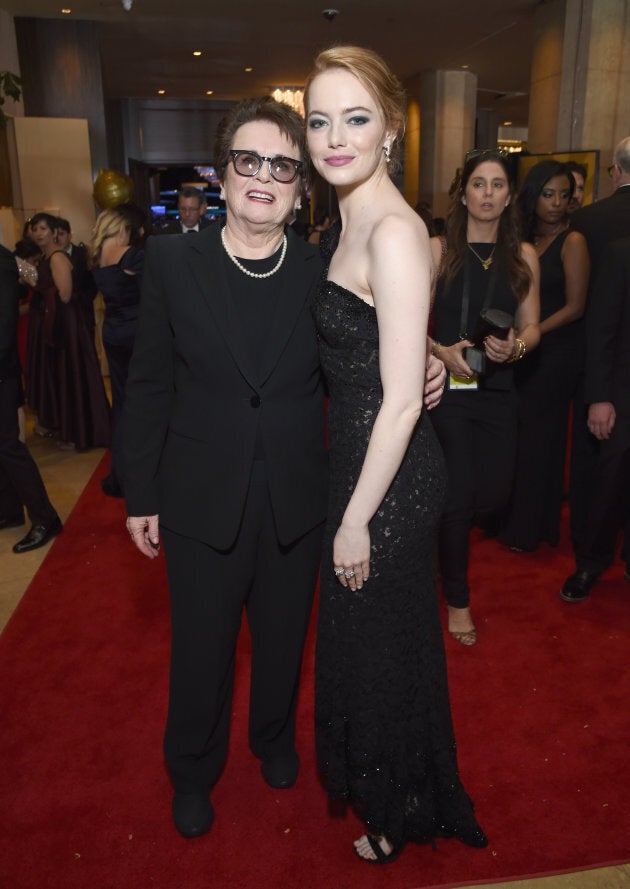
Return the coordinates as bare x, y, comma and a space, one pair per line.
546, 382
486, 268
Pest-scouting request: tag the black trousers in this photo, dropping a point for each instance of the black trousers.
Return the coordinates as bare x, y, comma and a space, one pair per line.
20, 481
477, 431
609, 503
208, 590
118, 358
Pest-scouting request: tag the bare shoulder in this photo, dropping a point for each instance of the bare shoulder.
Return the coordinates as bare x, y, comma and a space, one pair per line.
397, 233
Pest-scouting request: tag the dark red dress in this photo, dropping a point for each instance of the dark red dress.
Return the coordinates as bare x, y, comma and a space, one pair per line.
66, 388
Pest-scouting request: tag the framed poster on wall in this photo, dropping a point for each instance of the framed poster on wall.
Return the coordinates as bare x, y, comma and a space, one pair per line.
588, 159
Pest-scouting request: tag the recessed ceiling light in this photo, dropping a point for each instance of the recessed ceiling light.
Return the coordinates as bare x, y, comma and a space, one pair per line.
507, 123
161, 92
66, 11
209, 92
248, 70
196, 52
464, 66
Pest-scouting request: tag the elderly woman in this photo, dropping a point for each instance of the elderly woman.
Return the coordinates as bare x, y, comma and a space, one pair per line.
224, 439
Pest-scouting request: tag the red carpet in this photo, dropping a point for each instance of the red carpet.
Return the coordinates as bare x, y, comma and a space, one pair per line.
540, 707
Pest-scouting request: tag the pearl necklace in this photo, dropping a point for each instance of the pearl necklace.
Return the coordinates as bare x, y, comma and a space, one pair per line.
247, 271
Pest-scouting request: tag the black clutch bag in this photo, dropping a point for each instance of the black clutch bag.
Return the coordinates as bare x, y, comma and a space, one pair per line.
491, 322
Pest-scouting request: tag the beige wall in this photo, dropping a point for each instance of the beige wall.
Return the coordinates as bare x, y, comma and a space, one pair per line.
51, 169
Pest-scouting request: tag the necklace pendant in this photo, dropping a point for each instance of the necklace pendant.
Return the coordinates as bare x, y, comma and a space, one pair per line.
487, 263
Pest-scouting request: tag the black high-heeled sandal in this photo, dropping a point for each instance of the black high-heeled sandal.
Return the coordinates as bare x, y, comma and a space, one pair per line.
381, 857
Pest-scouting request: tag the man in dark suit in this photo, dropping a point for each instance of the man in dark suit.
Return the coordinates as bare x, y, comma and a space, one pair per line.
20, 481
191, 207
607, 393
600, 223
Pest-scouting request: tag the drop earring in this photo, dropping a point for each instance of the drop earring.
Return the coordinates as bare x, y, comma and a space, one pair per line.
388, 152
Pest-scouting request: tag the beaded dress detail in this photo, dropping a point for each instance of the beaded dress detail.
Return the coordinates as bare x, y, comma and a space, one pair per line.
385, 739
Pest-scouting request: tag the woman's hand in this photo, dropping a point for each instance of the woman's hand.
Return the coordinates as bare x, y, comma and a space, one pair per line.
498, 350
351, 556
453, 358
144, 532
434, 380
601, 419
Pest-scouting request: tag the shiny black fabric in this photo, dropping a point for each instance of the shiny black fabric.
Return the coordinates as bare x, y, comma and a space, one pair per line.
385, 738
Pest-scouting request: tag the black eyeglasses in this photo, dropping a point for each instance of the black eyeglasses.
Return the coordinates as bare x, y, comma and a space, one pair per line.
248, 163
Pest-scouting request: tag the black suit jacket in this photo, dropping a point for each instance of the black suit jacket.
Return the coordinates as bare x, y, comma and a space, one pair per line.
9, 312
603, 222
194, 404
175, 227
608, 331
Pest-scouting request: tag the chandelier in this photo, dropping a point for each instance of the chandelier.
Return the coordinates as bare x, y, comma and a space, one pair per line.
290, 95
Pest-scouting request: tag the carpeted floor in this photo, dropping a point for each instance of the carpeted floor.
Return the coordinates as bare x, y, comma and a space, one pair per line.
540, 707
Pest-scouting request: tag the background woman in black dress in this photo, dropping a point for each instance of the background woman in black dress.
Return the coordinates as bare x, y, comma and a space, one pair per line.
117, 272
546, 381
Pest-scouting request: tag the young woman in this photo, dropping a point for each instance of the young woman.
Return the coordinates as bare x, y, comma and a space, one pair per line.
485, 267
384, 733
546, 382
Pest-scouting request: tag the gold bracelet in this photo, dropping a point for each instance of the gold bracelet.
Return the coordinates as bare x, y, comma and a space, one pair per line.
519, 351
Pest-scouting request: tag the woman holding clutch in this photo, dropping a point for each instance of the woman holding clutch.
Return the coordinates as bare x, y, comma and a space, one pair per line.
485, 267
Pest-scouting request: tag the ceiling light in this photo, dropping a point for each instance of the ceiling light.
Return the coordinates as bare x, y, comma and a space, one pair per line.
507, 123
209, 92
66, 11
161, 92
290, 95
464, 66
248, 70
196, 52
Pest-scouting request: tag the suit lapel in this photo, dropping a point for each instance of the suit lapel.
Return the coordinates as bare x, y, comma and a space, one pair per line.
205, 256
294, 291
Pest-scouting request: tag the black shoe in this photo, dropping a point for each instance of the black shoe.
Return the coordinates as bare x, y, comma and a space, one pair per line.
12, 521
110, 486
281, 771
577, 587
192, 813
38, 536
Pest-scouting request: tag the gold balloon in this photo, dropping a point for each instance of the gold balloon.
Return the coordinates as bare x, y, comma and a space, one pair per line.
112, 188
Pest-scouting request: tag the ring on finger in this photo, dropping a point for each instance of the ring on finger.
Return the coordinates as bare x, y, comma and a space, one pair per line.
349, 573
338, 572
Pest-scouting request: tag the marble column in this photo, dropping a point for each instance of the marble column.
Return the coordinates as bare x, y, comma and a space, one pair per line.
442, 107
580, 76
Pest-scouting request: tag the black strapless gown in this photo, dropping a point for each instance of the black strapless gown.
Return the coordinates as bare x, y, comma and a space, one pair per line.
384, 732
